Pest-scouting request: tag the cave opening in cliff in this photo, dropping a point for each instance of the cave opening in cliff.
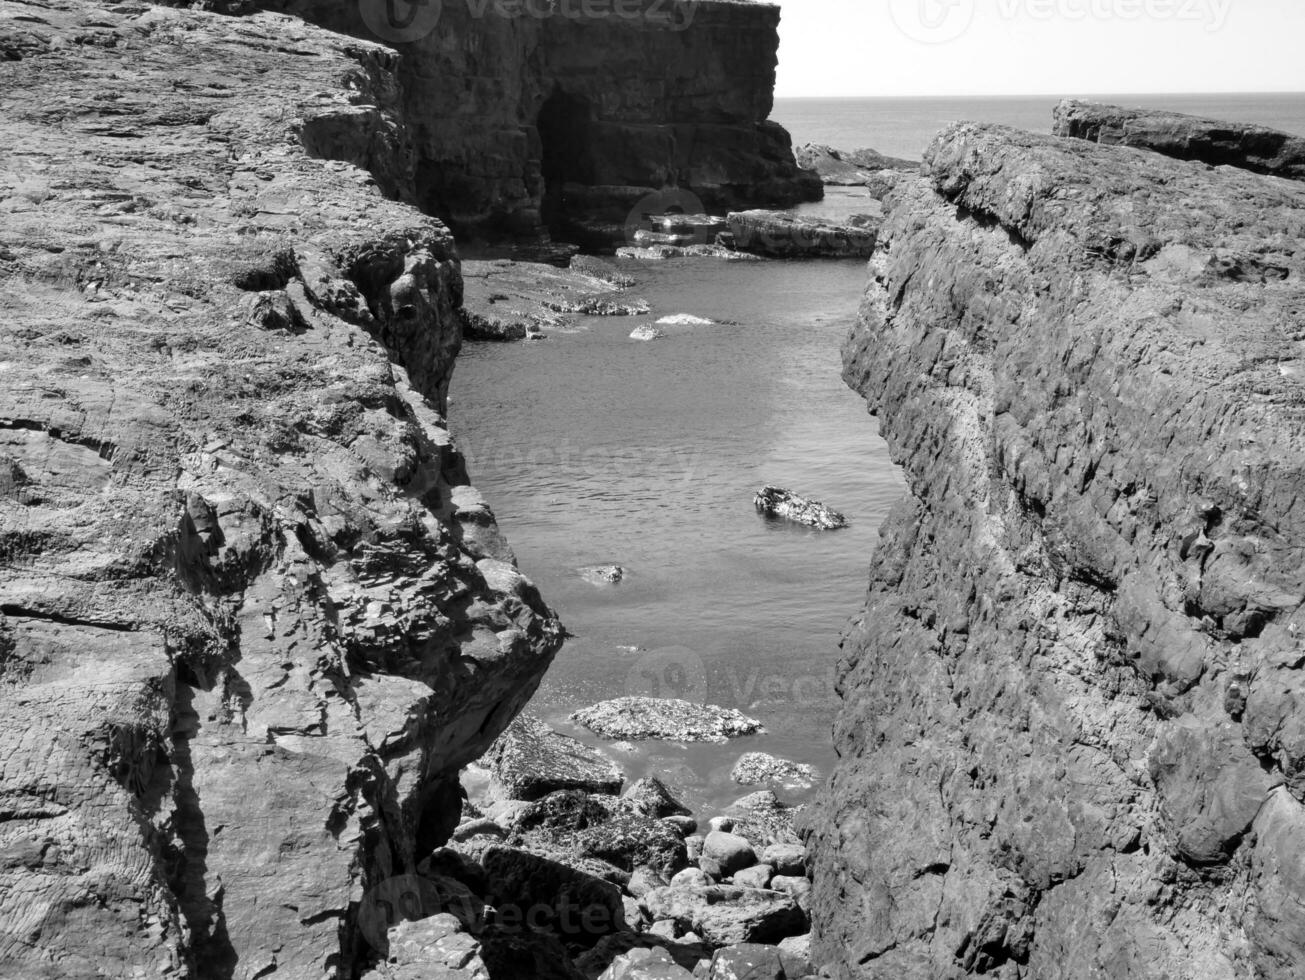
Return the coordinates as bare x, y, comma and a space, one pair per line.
564, 125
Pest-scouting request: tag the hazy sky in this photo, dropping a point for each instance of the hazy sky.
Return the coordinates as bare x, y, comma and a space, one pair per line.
1000, 47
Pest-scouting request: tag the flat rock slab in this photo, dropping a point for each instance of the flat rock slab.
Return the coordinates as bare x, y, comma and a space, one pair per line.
779, 234
530, 760
635, 719
1212, 141
508, 300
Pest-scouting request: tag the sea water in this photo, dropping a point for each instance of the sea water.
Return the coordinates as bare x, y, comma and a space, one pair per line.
593, 448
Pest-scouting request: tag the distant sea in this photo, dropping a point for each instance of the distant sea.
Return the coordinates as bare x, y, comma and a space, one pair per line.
904, 126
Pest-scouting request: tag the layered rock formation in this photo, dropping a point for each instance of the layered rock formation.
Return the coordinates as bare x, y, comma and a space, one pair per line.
848, 168
1070, 737
252, 620
570, 114
1218, 143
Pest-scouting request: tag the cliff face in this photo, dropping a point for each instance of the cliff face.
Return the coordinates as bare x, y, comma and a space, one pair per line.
1071, 741
571, 113
252, 620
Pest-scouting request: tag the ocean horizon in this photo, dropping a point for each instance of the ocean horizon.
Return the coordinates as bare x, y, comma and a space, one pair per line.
904, 125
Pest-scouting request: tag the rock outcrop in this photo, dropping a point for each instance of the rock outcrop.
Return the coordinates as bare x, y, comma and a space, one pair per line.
570, 114
849, 168
1070, 736
251, 618
1218, 143
779, 234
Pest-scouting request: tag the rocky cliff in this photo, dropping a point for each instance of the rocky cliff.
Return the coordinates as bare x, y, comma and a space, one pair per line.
1212, 141
571, 113
252, 619
1071, 735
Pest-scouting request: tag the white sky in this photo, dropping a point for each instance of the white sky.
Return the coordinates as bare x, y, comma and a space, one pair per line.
1036, 47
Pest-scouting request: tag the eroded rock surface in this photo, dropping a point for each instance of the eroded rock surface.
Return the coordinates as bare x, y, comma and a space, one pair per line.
849, 168
636, 718
1069, 736
247, 635
1216, 142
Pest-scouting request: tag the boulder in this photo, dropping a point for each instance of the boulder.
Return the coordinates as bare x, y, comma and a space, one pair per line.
645, 964
747, 961
795, 956
730, 851
757, 876
529, 891
530, 760
575, 827
725, 915
645, 332
644, 880
764, 820
691, 878
787, 859
1216, 142
436, 946
652, 797
638, 718
779, 234
777, 502
756, 768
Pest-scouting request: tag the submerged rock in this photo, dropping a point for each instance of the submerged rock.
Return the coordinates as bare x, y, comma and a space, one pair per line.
777, 502
684, 320
755, 768
636, 718
602, 574
779, 234
530, 760
646, 332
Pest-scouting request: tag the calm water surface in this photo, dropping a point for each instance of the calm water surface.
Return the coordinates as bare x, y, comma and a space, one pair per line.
593, 448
